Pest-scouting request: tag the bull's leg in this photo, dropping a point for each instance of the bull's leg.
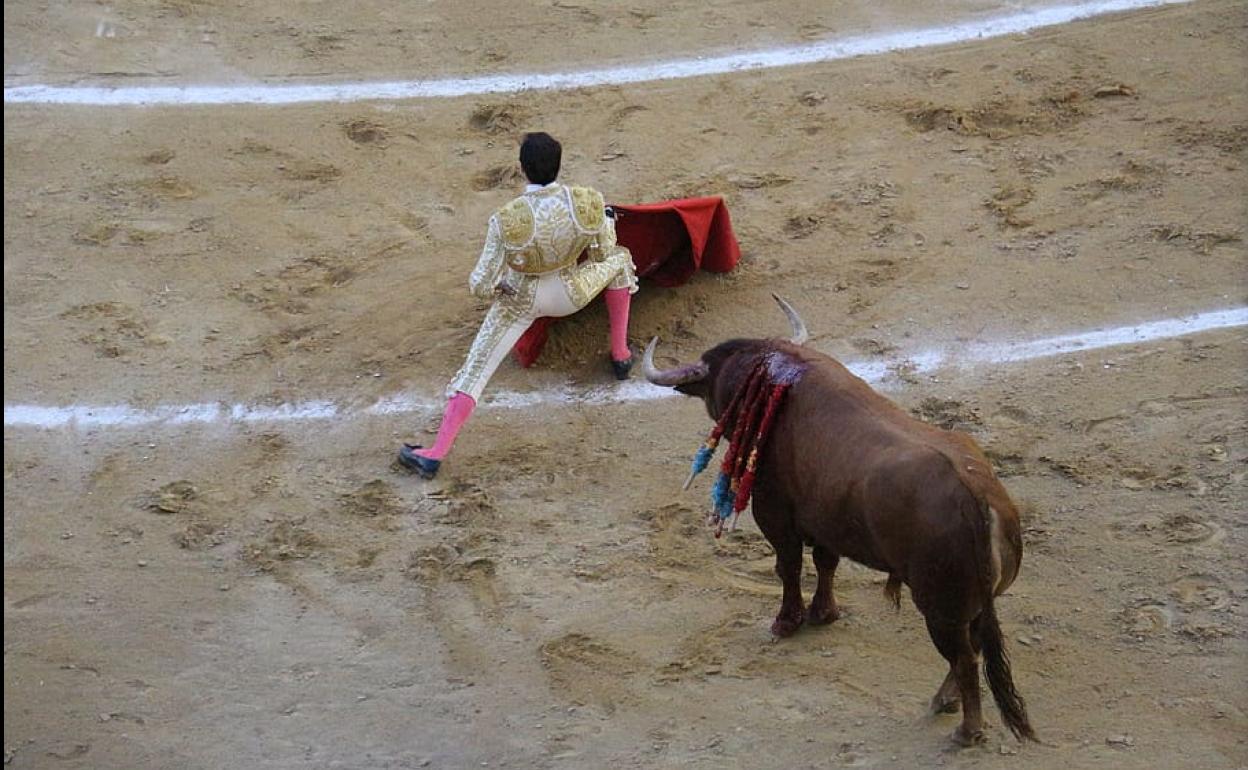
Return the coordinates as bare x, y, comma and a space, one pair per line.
823, 607
953, 640
947, 699
776, 522
789, 569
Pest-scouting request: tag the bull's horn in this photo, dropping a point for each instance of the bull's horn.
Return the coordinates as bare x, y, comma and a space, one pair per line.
800, 334
670, 378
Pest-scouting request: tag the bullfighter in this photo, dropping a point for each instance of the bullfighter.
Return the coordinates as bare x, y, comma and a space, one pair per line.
548, 252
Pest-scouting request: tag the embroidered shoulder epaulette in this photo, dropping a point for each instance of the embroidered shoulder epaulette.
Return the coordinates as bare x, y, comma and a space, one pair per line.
587, 209
515, 223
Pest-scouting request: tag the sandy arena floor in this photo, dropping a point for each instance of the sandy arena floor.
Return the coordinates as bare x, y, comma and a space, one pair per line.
273, 594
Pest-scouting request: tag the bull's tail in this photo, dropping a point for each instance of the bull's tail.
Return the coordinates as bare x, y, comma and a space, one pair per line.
992, 644
984, 526
892, 591
1000, 679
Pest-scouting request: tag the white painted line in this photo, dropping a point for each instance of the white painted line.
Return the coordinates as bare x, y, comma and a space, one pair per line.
875, 372
1073, 343
828, 50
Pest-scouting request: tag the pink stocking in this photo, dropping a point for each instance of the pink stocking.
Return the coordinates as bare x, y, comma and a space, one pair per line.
458, 409
617, 311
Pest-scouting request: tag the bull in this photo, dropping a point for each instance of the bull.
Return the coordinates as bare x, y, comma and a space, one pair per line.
851, 474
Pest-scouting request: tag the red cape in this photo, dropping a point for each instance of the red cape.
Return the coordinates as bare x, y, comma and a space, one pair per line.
669, 242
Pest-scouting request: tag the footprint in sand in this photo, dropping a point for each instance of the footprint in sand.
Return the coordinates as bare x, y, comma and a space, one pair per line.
364, 131
494, 178
1147, 617
590, 670
1184, 529
1204, 592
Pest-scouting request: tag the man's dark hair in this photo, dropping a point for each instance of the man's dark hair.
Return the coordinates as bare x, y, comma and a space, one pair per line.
540, 156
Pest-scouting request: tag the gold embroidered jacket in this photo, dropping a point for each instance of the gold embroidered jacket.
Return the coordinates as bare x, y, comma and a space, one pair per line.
544, 231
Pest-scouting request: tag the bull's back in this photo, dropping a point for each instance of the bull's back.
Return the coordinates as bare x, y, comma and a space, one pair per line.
863, 466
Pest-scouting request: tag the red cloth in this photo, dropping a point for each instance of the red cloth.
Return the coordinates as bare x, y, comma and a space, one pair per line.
669, 241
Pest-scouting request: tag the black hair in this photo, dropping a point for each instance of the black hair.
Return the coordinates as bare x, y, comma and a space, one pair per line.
540, 156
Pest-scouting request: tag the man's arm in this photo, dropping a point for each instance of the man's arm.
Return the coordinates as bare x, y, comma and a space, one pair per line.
484, 281
605, 244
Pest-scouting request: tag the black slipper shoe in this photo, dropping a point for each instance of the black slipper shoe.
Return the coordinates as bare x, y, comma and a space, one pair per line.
622, 368
426, 467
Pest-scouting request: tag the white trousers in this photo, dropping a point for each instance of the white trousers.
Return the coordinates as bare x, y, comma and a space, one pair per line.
555, 294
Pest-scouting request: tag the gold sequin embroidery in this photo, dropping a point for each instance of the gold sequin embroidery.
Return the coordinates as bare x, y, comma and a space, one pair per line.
587, 208
517, 222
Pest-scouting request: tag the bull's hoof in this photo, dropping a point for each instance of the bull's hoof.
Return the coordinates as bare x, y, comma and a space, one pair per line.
783, 627
821, 616
967, 738
946, 705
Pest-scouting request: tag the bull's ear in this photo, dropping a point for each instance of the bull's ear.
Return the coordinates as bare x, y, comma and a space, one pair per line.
670, 378
800, 335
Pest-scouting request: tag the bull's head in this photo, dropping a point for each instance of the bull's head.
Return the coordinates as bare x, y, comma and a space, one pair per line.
704, 379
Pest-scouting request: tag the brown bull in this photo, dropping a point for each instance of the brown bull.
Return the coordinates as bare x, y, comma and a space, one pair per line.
848, 472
